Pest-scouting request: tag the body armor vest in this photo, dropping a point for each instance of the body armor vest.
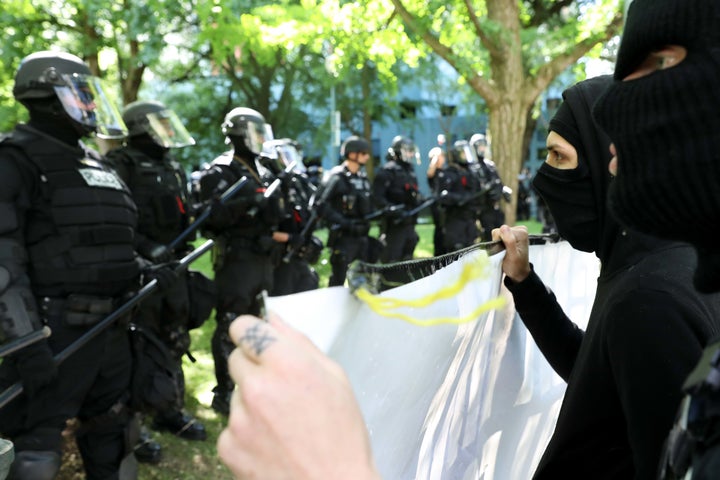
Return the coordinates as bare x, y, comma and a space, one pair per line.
352, 194
159, 189
256, 219
403, 188
80, 230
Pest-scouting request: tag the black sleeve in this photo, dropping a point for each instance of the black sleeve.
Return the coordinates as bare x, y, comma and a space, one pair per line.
652, 347
557, 337
379, 188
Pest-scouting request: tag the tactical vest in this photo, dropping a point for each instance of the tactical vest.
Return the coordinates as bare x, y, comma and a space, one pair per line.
403, 187
254, 222
160, 192
352, 197
79, 232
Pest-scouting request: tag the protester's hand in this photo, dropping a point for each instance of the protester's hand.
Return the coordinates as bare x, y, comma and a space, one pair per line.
36, 366
293, 414
516, 263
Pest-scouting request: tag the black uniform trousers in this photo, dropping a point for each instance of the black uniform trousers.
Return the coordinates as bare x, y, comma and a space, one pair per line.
346, 249
166, 315
400, 242
91, 385
293, 277
242, 275
459, 232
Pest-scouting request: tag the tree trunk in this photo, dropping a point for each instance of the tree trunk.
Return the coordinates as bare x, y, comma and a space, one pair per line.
507, 125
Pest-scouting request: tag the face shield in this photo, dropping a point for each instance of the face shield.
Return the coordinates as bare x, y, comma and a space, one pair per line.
463, 154
289, 154
256, 134
167, 130
409, 154
85, 102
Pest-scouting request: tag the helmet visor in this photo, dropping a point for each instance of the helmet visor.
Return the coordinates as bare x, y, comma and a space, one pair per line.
464, 154
410, 153
256, 135
167, 130
84, 100
289, 154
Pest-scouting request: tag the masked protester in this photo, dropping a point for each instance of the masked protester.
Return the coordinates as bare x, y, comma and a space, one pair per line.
160, 189
395, 190
66, 261
436, 161
347, 204
661, 113
245, 252
621, 391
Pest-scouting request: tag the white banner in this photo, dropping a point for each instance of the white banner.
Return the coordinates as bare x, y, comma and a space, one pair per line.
454, 402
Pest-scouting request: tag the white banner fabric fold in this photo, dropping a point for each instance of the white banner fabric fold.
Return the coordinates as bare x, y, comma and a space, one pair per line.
455, 402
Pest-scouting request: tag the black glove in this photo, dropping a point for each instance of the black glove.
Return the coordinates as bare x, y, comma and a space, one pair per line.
295, 241
36, 366
359, 228
165, 274
220, 212
156, 252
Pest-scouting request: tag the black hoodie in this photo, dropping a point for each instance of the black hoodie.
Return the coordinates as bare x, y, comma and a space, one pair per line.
646, 331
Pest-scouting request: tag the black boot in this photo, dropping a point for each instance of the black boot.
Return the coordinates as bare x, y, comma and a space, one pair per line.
180, 424
147, 450
221, 401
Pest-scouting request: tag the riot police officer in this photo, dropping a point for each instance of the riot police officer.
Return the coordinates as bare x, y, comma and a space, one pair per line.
461, 196
299, 247
348, 203
160, 189
395, 189
245, 252
436, 162
66, 260
491, 214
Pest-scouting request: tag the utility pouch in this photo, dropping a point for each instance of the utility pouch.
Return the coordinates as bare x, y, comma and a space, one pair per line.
155, 384
202, 292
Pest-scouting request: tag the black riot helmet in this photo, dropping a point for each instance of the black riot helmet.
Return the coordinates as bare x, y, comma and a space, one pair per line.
403, 149
246, 129
462, 154
479, 142
46, 80
154, 119
354, 144
281, 153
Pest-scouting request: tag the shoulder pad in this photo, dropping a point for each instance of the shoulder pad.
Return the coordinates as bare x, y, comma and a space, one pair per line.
337, 169
224, 159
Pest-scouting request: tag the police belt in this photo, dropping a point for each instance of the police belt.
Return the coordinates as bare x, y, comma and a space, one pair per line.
78, 310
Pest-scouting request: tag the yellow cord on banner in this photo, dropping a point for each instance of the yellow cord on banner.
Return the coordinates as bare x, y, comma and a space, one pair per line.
471, 271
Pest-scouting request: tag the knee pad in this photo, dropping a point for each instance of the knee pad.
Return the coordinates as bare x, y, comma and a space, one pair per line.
35, 465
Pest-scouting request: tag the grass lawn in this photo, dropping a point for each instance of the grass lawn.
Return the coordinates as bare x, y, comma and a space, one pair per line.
185, 460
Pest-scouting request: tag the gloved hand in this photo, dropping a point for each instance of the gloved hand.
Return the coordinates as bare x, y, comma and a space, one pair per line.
359, 228
156, 252
165, 274
295, 240
36, 366
220, 212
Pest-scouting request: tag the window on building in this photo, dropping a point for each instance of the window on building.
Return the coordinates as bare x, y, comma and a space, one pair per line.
408, 110
447, 110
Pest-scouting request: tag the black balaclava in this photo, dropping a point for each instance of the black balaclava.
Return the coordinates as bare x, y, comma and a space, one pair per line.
146, 144
48, 116
666, 129
616, 248
569, 193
